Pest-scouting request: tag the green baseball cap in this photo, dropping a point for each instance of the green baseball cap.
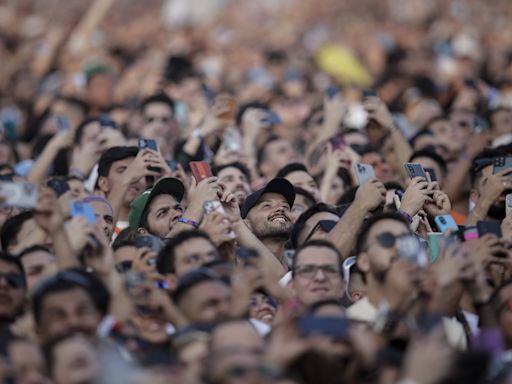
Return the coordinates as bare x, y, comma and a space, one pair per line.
167, 185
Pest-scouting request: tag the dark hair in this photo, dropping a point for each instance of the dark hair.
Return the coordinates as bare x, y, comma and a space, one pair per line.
122, 243
315, 243
79, 133
348, 196
12, 227
241, 167
10, 259
419, 134
362, 237
310, 199
34, 248
74, 101
165, 263
366, 149
490, 114
431, 155
158, 98
112, 155
292, 167
299, 225
482, 160
191, 279
178, 68
244, 107
67, 280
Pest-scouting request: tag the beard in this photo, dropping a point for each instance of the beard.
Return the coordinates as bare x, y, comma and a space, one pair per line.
271, 230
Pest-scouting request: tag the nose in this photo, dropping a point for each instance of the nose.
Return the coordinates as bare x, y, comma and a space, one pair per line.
320, 275
3, 282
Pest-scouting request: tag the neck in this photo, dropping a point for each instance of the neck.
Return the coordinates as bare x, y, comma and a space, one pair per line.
123, 213
374, 291
276, 246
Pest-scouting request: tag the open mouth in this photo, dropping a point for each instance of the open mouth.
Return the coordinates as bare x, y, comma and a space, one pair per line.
280, 219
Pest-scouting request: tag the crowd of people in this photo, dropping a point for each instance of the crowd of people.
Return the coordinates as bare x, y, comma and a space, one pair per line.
235, 191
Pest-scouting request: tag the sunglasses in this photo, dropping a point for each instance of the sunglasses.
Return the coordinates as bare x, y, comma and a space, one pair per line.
151, 119
325, 225
15, 280
388, 240
123, 266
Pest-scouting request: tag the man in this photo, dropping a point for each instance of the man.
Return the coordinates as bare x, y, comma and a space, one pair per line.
125, 252
202, 297
303, 201
389, 278
121, 175
13, 288
267, 213
183, 253
488, 190
104, 214
20, 232
38, 262
316, 273
235, 176
383, 171
158, 115
500, 120
274, 155
99, 89
157, 210
298, 175
70, 301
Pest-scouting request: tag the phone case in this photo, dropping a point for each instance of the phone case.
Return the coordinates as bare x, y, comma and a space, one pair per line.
445, 223
415, 170
148, 143
77, 208
200, 170
364, 172
485, 227
501, 163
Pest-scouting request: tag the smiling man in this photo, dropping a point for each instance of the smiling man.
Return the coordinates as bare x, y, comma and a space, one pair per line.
267, 213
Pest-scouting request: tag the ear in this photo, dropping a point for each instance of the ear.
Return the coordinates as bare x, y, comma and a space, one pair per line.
103, 184
363, 263
142, 231
356, 296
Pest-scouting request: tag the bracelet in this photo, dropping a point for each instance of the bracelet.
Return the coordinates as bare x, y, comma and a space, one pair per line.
193, 223
406, 215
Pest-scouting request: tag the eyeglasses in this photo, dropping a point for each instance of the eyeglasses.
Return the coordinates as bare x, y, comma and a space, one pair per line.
309, 271
163, 119
326, 225
15, 280
124, 266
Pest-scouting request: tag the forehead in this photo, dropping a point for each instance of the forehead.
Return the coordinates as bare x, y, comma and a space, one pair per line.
162, 200
316, 255
230, 171
100, 206
157, 108
36, 256
272, 196
195, 244
68, 298
6, 267
123, 162
208, 289
388, 225
371, 156
277, 144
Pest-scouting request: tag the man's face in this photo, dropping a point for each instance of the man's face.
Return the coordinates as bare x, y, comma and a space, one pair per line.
75, 362
77, 189
27, 362
305, 181
37, 265
206, 302
100, 90
104, 218
501, 123
236, 183
497, 210
90, 133
444, 132
158, 123
317, 275
299, 206
163, 212
383, 171
192, 254
67, 311
262, 308
270, 217
278, 154
379, 257
236, 335
312, 229
115, 176
12, 291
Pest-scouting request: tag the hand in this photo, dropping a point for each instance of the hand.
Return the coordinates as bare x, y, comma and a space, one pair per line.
212, 124
80, 233
495, 186
109, 138
378, 111
218, 227
62, 139
47, 213
415, 196
145, 262
252, 123
335, 109
244, 282
449, 268
138, 168
488, 249
476, 143
506, 229
440, 204
99, 256
206, 190
371, 195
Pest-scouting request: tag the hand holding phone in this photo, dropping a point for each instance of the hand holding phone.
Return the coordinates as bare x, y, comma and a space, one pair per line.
200, 170
415, 170
501, 163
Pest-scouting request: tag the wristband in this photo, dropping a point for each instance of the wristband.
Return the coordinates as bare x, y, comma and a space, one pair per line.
193, 223
406, 215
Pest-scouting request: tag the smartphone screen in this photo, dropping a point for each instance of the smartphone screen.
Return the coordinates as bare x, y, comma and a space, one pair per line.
200, 170
77, 208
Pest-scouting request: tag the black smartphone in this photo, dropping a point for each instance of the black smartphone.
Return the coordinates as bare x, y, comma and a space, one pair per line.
149, 241
149, 144
369, 93
501, 163
332, 91
335, 327
107, 122
415, 170
246, 254
432, 173
59, 186
485, 227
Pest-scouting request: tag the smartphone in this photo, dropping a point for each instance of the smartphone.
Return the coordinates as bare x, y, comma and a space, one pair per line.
331, 91
77, 208
272, 118
338, 142
433, 245
445, 223
335, 327
501, 163
364, 172
488, 227
59, 186
432, 173
62, 123
415, 170
20, 195
149, 241
369, 93
470, 233
216, 206
232, 140
508, 204
200, 170
207, 94
410, 248
149, 144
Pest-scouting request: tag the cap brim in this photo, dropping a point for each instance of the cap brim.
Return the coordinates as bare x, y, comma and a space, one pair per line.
277, 185
168, 186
